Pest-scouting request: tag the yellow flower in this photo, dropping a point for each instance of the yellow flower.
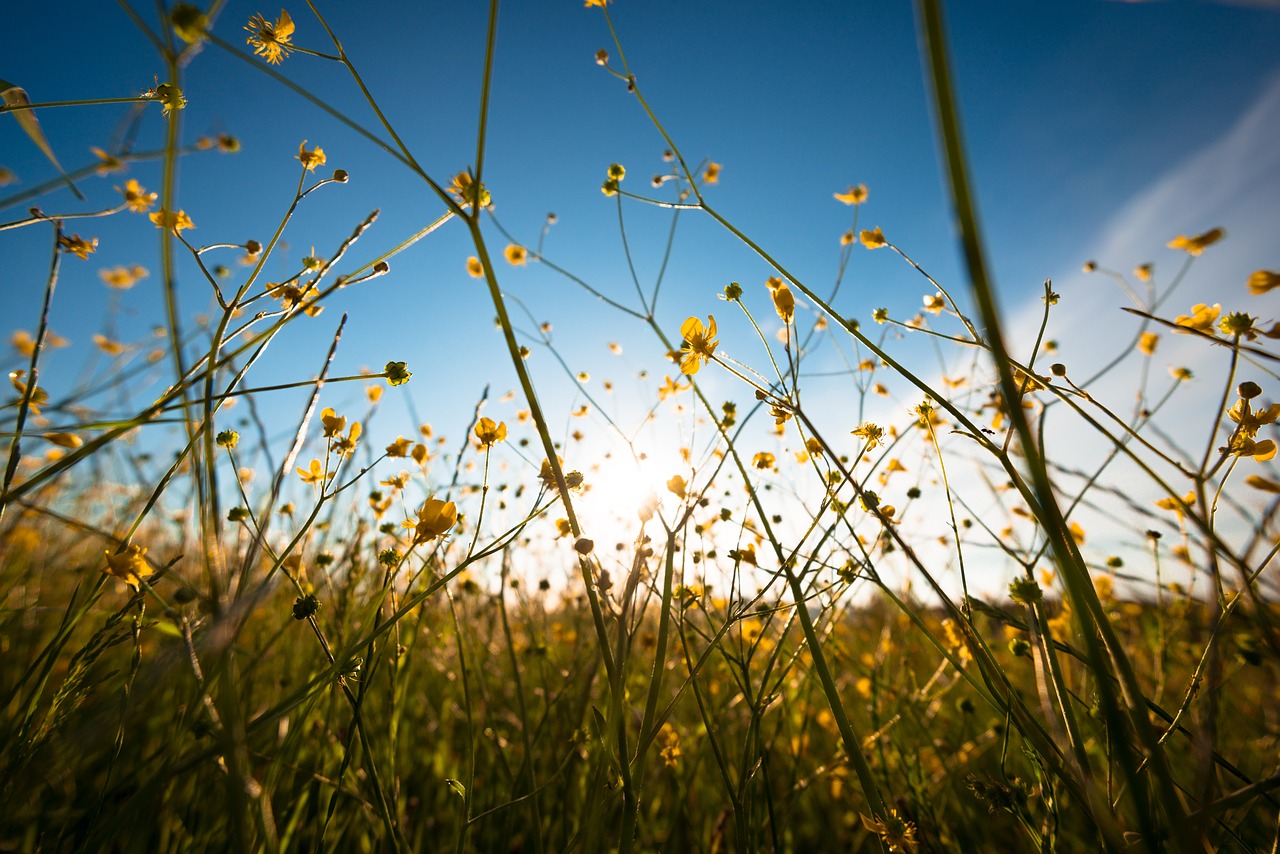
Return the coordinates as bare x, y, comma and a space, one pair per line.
136, 197
896, 832
122, 278
310, 159
669, 387
1172, 503
1262, 483
784, 302
23, 342
269, 40
78, 246
488, 432
346, 445
763, 460
109, 162
314, 473
872, 433
935, 304
853, 196
175, 222
712, 173
1196, 245
872, 239
1261, 281
333, 424
474, 267
106, 345
129, 564
677, 487
1147, 343
516, 255
1249, 420
1202, 317
64, 440
399, 448
699, 343
435, 518
1143, 272
466, 191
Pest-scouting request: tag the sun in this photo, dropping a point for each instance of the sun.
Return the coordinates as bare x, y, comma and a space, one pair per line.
623, 484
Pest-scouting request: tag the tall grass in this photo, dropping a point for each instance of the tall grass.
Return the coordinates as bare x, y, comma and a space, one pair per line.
297, 641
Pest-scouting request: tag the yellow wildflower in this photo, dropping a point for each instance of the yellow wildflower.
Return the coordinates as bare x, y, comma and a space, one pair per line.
435, 518
271, 41
699, 343
712, 173
333, 424
516, 255
1147, 343
310, 159
1196, 245
763, 460
136, 197
64, 440
935, 304
894, 831
855, 195
872, 239
314, 473
1202, 317
1143, 272
399, 448
872, 433
600, 3
1176, 505
489, 432
474, 267
175, 222
129, 564
106, 345
1261, 281
122, 278
78, 246
784, 302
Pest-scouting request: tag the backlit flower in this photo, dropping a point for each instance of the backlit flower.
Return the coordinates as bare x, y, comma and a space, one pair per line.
489, 432
310, 159
474, 267
1261, 281
77, 245
516, 255
853, 196
271, 41
1196, 245
435, 518
712, 173
873, 238
699, 343
314, 473
1202, 317
130, 564
136, 197
174, 221
784, 302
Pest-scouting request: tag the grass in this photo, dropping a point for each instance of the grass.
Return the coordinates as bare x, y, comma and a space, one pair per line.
264, 646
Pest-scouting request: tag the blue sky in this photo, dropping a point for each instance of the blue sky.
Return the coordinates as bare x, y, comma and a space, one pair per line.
1095, 129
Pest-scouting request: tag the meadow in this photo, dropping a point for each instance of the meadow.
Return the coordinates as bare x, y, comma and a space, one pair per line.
232, 619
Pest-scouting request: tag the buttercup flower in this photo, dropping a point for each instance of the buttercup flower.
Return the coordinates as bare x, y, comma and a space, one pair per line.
136, 197
1196, 245
399, 448
872, 239
78, 246
872, 433
784, 302
474, 267
129, 565
516, 255
175, 222
699, 343
853, 196
488, 432
1147, 343
314, 473
712, 173
435, 518
310, 159
1202, 317
271, 41
1262, 281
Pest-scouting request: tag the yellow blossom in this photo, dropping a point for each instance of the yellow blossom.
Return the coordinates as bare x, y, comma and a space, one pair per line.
106, 345
516, 255
763, 460
1261, 281
895, 832
399, 448
310, 159
855, 195
474, 268
784, 302
271, 41
122, 278
77, 245
1172, 503
1262, 483
136, 197
872, 433
314, 473
935, 304
333, 424
699, 343
1143, 272
435, 518
1196, 245
130, 565
489, 432
677, 487
872, 239
1202, 317
175, 222
1147, 343
600, 3
712, 173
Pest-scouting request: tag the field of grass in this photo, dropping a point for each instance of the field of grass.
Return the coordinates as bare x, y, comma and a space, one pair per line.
216, 634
